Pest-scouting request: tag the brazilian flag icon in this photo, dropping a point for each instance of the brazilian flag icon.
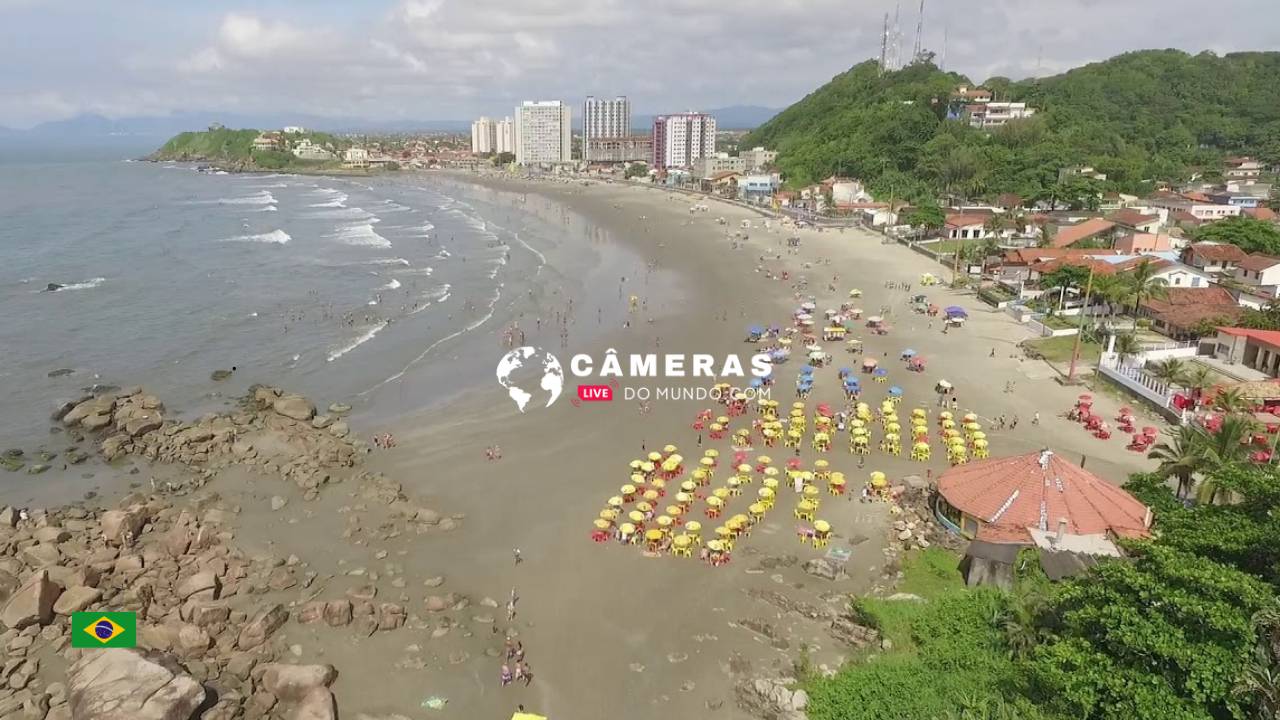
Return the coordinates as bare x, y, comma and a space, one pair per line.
104, 630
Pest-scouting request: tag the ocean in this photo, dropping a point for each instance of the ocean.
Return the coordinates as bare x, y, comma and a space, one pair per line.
389, 293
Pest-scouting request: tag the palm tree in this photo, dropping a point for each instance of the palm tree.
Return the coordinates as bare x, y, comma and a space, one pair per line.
1170, 371
1180, 457
1127, 346
1197, 379
1112, 290
1227, 447
1232, 401
1021, 621
1143, 284
1259, 684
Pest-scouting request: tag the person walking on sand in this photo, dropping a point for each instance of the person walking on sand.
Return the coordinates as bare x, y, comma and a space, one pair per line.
515, 552
955, 404
505, 677
526, 673
1013, 424
1035, 420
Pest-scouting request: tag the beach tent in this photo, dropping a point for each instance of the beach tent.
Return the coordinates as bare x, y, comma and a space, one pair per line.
956, 311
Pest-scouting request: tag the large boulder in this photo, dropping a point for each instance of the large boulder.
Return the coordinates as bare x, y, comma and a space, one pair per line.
295, 407
122, 527
261, 627
291, 683
120, 684
317, 705
32, 603
76, 599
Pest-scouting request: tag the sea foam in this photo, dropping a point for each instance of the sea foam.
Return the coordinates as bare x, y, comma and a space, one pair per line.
278, 237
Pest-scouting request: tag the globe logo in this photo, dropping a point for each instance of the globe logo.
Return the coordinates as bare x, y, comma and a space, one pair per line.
104, 630
518, 369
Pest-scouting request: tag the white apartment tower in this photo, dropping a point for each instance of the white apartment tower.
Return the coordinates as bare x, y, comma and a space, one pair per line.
679, 140
505, 136
543, 132
604, 119
483, 138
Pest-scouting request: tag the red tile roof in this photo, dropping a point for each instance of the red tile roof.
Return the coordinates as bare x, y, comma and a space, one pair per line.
1073, 234
1184, 216
1132, 218
1009, 495
1258, 262
1270, 337
1217, 252
1099, 267
1261, 213
1187, 307
958, 220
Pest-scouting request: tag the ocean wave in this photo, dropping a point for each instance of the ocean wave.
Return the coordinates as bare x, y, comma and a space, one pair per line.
497, 295
388, 261
270, 186
432, 297
263, 197
278, 237
82, 285
426, 229
361, 234
366, 337
393, 285
442, 254
542, 259
393, 206
337, 202
341, 213
426, 271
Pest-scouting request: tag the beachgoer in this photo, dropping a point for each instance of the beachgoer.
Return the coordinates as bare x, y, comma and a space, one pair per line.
506, 675
527, 673
1036, 419
955, 403
1013, 424
515, 552
993, 353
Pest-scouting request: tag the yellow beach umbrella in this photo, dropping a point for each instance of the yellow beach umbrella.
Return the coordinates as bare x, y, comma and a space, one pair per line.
821, 464
945, 415
821, 526
878, 479
715, 546
651, 495
635, 516
655, 457
765, 493
922, 446
682, 541
634, 464
665, 520
715, 502
918, 412
893, 428
627, 529
744, 468
608, 514
602, 524
628, 490
653, 534
688, 486
637, 479
693, 526
770, 483
764, 460
979, 435
668, 449
615, 501
646, 467
645, 507
712, 453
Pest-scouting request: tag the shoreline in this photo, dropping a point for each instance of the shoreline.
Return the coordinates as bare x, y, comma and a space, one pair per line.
654, 635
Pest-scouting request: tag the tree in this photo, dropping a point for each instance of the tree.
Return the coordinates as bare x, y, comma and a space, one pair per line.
1232, 400
504, 158
636, 169
1180, 457
1127, 345
1170, 372
926, 217
1143, 284
1065, 277
1165, 635
1197, 379
1249, 234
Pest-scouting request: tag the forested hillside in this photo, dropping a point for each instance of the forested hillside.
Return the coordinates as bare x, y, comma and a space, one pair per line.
1140, 117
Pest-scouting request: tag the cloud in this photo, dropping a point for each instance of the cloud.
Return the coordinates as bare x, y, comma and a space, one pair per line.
453, 59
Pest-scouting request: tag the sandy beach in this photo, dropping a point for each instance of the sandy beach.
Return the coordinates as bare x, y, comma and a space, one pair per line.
607, 630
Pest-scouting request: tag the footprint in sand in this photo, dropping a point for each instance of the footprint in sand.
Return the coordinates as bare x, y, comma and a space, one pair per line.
636, 667
677, 657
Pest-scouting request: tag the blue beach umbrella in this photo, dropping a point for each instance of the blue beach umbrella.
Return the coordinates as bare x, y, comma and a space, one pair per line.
956, 311
755, 330
756, 383
908, 353
881, 372
895, 391
844, 371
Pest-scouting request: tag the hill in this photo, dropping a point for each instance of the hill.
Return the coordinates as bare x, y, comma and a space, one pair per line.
1139, 117
234, 149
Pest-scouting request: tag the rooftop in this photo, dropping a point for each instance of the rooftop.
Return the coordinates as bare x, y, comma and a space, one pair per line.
1072, 234
1188, 307
1258, 262
1041, 490
1217, 252
1132, 218
1269, 337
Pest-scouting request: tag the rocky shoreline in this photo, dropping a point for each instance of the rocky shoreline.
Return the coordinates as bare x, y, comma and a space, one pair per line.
209, 613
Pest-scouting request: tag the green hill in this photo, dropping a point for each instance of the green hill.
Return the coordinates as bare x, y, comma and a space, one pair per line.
1140, 117
234, 149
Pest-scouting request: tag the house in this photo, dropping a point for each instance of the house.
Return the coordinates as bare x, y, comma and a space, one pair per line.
1213, 257
268, 141
1183, 310
1095, 229
723, 183
1263, 213
1084, 171
1239, 168
356, 157
880, 214
1015, 266
1009, 201
708, 166
1258, 349
964, 226
968, 95
1166, 269
293, 130
1243, 200
845, 191
1135, 220
1198, 205
990, 115
758, 187
785, 198
1139, 243
1260, 271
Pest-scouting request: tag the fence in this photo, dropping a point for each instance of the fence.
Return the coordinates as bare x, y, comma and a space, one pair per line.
1133, 379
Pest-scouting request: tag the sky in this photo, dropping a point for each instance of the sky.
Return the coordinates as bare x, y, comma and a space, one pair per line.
457, 59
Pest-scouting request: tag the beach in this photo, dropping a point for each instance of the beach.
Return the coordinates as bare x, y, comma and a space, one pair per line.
607, 629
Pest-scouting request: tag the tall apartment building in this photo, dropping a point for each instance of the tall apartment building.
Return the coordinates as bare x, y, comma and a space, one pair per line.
542, 132
679, 140
604, 119
505, 136
483, 136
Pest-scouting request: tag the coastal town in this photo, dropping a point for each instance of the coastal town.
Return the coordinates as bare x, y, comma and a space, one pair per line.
987, 423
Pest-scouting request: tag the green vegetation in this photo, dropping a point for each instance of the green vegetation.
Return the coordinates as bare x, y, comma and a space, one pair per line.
636, 169
234, 148
1058, 349
1139, 117
1253, 236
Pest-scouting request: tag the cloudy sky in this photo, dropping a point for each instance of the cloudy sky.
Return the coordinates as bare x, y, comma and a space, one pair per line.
453, 59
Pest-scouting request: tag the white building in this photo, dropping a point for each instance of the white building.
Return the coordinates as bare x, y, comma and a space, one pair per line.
708, 166
294, 130
604, 119
356, 157
758, 158
679, 140
307, 150
543, 132
484, 136
505, 136
995, 114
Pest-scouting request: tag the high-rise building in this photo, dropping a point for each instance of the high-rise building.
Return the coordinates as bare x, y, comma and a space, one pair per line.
679, 140
505, 141
543, 132
483, 138
604, 119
